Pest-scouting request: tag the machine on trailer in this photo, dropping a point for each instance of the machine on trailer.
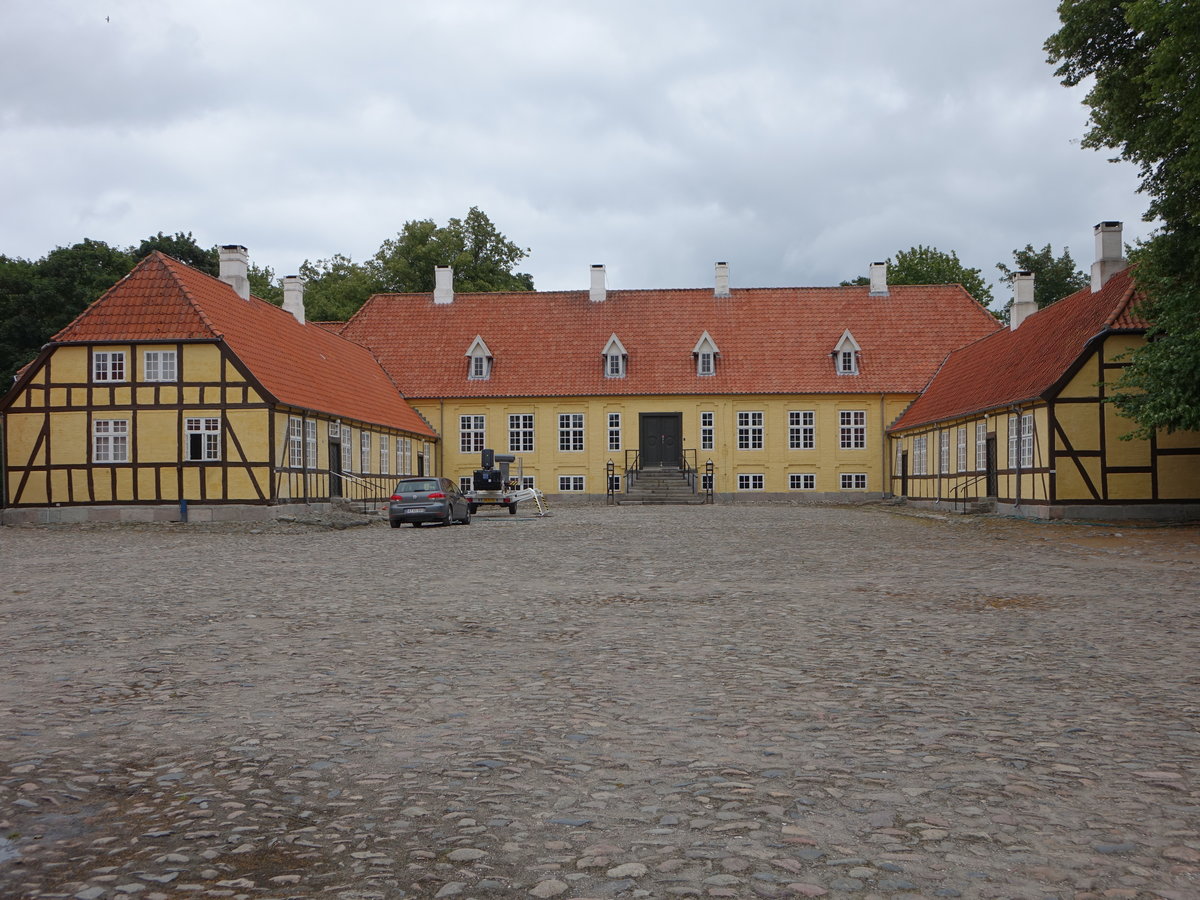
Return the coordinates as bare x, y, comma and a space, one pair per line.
492, 485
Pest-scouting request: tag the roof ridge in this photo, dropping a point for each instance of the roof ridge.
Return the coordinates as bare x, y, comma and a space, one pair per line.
1126, 300
187, 294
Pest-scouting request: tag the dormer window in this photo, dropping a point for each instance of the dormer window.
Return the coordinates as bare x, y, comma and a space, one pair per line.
706, 354
615, 358
846, 354
479, 360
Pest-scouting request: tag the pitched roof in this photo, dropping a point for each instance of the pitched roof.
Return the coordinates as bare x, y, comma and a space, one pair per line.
1011, 367
771, 340
305, 366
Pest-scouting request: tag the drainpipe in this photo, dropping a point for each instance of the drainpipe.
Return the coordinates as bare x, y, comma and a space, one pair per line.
884, 488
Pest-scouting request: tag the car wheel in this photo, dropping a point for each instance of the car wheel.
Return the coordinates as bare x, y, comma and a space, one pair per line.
395, 523
512, 510
449, 520
466, 520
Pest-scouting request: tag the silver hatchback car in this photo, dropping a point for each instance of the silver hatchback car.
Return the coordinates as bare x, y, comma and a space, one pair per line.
427, 499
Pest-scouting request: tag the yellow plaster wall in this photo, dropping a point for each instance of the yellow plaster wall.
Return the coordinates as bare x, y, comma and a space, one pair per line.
250, 426
201, 362
70, 364
1179, 477
158, 436
1084, 382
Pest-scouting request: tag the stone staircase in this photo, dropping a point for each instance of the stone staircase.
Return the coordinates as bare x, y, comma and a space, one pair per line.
660, 487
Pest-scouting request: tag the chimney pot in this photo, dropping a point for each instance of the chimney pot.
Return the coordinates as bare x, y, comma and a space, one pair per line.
599, 287
722, 280
879, 285
234, 267
1109, 254
1023, 305
293, 296
443, 284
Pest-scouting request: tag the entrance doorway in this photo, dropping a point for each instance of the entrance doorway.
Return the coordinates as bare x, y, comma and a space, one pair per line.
661, 438
992, 480
335, 474
903, 473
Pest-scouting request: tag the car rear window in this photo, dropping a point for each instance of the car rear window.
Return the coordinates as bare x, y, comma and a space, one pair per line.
417, 487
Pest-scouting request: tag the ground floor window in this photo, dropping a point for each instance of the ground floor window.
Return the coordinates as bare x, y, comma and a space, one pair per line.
295, 440
110, 441
855, 481
614, 483
466, 483
706, 482
920, 460
570, 483
310, 442
750, 482
203, 437
526, 482
802, 481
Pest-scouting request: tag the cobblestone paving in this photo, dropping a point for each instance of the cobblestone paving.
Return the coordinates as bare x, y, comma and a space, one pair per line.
731, 701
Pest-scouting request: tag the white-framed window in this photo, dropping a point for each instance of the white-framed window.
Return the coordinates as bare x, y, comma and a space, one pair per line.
802, 430
705, 363
159, 365
899, 457
853, 429
962, 449
335, 429
614, 431
706, 431
110, 440
384, 454
943, 451
481, 367
471, 433
202, 438
520, 433
980, 445
706, 482
614, 483
526, 482
400, 456
108, 365
466, 483
846, 363
802, 481
568, 483
846, 354
570, 432
295, 442
1014, 441
920, 455
1027, 440
614, 365
310, 443
750, 431
364, 452
855, 481
347, 450
750, 482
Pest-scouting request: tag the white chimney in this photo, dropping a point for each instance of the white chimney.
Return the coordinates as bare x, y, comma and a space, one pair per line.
599, 288
293, 296
235, 262
1024, 305
1109, 254
879, 287
722, 286
443, 284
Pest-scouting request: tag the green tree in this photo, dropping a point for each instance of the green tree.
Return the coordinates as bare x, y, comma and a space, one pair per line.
264, 284
928, 265
1145, 104
482, 257
335, 288
182, 247
1054, 277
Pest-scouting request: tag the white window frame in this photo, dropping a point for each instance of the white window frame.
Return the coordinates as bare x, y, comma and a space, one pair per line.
1027, 441
853, 481
364, 452
520, 433
110, 441
944, 452
108, 366
310, 443
570, 432
802, 429
614, 484
528, 482
208, 429
707, 430
980, 445
570, 484
751, 481
384, 454
614, 365
466, 483
347, 453
920, 455
295, 442
853, 429
706, 363
481, 368
750, 430
400, 456
1014, 441
614, 431
706, 481
962, 448
472, 433
159, 365
802, 481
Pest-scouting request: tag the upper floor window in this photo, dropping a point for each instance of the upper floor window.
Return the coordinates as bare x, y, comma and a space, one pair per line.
158, 365
471, 433
108, 365
520, 433
479, 360
570, 431
706, 354
615, 358
846, 354
706, 431
853, 429
750, 431
614, 431
802, 431
203, 437
110, 440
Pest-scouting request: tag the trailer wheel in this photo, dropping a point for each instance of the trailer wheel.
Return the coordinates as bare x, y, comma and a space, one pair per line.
512, 510
473, 507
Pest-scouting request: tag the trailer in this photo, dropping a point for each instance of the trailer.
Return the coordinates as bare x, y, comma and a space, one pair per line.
493, 486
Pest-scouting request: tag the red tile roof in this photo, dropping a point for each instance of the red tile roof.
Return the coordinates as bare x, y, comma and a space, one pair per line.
771, 340
304, 366
1011, 367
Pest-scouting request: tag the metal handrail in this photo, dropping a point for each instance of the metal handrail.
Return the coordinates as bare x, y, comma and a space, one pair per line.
689, 470
959, 488
368, 489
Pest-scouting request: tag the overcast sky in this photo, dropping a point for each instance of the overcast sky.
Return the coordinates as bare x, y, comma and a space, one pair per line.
796, 140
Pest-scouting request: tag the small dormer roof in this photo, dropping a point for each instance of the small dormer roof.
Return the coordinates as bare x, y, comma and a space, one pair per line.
614, 346
706, 344
847, 342
478, 347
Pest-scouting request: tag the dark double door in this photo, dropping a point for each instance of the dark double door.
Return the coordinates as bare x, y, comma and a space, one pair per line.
661, 438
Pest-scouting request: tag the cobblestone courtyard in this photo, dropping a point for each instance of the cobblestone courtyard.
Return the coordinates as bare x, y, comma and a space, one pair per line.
730, 701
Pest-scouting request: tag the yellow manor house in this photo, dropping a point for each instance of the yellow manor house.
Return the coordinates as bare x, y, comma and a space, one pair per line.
178, 391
